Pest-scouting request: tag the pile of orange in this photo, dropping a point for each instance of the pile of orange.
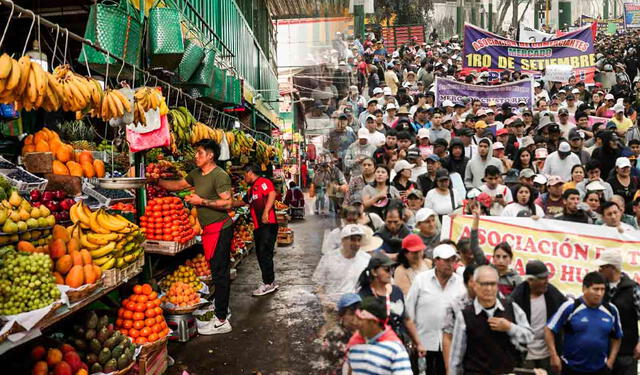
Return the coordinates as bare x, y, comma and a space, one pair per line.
181, 294
166, 219
140, 316
200, 265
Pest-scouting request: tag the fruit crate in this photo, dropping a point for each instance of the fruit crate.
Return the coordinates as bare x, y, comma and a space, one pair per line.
153, 362
285, 238
26, 187
166, 247
91, 191
6, 166
116, 276
38, 162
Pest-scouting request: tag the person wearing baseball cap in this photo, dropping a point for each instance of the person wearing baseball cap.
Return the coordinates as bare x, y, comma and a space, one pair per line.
347, 306
551, 201
622, 183
411, 261
338, 270
621, 291
430, 294
375, 348
358, 151
402, 179
560, 162
623, 123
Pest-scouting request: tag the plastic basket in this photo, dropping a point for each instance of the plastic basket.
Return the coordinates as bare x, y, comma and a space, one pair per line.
7, 170
166, 247
26, 186
90, 191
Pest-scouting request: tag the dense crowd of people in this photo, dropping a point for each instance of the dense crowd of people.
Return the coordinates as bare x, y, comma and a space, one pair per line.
394, 163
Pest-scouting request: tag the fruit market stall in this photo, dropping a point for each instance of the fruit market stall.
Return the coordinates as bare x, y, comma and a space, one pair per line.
85, 229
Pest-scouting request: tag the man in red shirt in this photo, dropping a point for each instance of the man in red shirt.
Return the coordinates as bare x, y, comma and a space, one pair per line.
261, 197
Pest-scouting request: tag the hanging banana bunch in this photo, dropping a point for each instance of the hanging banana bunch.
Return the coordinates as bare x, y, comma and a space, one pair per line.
146, 99
181, 122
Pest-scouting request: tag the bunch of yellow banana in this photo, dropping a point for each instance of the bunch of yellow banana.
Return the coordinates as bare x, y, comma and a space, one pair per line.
147, 98
112, 240
242, 144
201, 131
75, 92
264, 152
14, 76
114, 105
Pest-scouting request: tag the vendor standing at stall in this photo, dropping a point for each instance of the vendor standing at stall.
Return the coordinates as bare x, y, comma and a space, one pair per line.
212, 198
261, 198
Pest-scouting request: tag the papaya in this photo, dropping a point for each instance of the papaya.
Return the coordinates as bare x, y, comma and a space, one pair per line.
57, 248
42, 146
64, 264
89, 275
75, 169
60, 168
85, 156
60, 232
73, 245
97, 271
75, 277
64, 153
28, 148
59, 278
40, 136
87, 169
98, 166
86, 257
25, 246
77, 258
54, 145
28, 140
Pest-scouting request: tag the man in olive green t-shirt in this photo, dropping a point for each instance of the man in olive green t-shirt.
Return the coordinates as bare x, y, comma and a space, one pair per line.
212, 197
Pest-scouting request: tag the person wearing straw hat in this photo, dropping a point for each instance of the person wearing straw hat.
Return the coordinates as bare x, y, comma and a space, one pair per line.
624, 293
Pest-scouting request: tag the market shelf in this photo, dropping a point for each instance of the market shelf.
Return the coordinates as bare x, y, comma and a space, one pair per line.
60, 314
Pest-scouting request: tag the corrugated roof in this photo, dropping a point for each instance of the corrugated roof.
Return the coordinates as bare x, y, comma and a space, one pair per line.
306, 8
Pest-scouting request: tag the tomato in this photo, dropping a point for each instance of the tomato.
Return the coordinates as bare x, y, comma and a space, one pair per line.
130, 305
146, 331
167, 237
138, 324
157, 328
133, 332
153, 337
127, 324
119, 322
150, 313
124, 332
140, 307
137, 289
150, 305
158, 310
157, 214
150, 322
157, 302
121, 312
166, 219
143, 219
164, 333
143, 299
141, 340
159, 319
150, 236
138, 316
166, 230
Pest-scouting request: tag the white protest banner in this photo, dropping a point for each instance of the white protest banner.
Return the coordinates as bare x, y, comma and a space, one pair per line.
559, 73
529, 34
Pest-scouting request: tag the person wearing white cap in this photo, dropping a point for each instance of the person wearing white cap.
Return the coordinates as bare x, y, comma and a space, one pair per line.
623, 183
372, 105
430, 294
390, 114
606, 109
559, 163
402, 179
356, 100
391, 79
623, 292
338, 270
358, 151
623, 123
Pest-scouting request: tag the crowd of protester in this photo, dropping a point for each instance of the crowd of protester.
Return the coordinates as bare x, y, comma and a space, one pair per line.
394, 163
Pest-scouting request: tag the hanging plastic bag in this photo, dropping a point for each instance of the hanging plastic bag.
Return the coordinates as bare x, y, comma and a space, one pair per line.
144, 141
127, 118
224, 150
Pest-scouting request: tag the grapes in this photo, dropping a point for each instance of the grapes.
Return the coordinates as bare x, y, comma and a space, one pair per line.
26, 282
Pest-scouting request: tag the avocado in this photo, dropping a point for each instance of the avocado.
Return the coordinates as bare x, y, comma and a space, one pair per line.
91, 359
79, 344
103, 321
110, 366
92, 320
110, 343
94, 346
129, 353
96, 367
118, 337
117, 351
90, 334
103, 335
123, 362
104, 356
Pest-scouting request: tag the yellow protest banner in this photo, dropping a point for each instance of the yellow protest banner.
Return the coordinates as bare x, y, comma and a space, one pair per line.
568, 249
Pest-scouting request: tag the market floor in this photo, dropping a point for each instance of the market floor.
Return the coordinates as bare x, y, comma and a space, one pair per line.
275, 334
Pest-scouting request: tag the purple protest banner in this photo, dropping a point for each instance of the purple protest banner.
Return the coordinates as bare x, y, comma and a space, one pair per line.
483, 49
513, 92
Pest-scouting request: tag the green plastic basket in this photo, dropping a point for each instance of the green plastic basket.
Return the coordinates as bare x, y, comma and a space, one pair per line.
166, 43
191, 59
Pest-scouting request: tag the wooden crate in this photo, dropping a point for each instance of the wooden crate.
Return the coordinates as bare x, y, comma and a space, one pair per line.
38, 162
166, 247
153, 363
72, 185
285, 238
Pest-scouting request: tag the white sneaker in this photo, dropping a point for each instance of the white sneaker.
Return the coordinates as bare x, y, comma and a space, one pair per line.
215, 327
265, 289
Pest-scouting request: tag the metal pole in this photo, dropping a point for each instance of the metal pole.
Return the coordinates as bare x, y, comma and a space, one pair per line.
490, 16
546, 13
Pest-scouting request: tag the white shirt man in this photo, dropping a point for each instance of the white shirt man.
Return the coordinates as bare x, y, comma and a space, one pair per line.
338, 270
428, 299
559, 163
